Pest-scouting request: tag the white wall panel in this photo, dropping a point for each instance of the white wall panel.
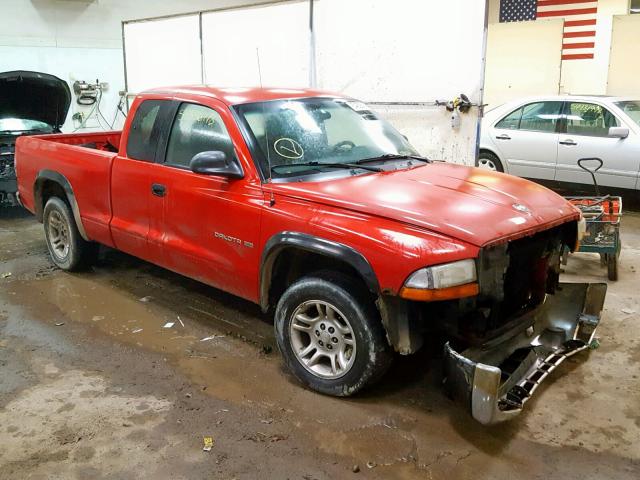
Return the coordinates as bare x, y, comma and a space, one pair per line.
276, 36
163, 52
624, 67
523, 58
407, 51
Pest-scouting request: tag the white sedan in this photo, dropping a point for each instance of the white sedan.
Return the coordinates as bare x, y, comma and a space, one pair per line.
543, 138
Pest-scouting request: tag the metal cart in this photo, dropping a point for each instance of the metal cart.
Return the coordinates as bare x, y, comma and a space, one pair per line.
602, 214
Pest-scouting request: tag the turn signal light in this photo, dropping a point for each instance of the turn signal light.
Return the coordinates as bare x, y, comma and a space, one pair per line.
433, 295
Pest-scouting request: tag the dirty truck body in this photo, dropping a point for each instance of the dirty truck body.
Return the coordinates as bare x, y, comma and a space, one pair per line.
310, 205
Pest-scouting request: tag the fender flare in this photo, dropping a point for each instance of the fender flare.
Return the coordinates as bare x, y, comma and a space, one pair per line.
284, 240
44, 175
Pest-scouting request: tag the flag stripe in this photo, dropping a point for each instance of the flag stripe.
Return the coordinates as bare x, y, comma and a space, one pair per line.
564, 13
547, 3
578, 45
579, 23
586, 33
577, 56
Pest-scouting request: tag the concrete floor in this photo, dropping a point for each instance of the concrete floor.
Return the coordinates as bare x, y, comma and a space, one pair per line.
92, 386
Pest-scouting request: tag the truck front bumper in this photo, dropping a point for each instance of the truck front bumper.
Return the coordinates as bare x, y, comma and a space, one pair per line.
495, 379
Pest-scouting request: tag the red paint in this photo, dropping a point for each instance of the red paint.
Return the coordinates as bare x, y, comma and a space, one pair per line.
569, 46
550, 3
579, 23
399, 221
577, 56
586, 33
565, 13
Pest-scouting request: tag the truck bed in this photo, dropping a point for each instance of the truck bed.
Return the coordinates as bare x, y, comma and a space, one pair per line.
84, 160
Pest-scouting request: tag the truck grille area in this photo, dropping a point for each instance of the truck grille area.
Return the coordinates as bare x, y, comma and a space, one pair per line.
514, 278
7, 165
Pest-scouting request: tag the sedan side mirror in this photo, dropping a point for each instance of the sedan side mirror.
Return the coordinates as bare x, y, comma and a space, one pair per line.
619, 132
216, 162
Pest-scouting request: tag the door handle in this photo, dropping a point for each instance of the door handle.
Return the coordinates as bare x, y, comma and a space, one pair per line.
504, 136
568, 142
158, 189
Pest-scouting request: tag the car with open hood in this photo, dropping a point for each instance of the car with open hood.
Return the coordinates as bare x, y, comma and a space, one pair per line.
312, 206
30, 103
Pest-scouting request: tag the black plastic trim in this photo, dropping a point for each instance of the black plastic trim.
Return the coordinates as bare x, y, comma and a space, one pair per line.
61, 180
283, 240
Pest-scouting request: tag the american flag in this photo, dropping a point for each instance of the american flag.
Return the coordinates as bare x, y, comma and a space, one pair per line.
579, 21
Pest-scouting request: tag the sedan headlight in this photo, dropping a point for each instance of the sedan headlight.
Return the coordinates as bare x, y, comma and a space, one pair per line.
442, 282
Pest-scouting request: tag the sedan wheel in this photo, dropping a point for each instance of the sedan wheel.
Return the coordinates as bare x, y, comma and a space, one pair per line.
487, 164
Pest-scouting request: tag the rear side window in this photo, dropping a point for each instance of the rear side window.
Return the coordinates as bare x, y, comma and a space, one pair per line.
589, 119
197, 129
141, 144
534, 117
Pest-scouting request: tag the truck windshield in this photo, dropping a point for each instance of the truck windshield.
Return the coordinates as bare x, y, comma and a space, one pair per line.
631, 108
296, 137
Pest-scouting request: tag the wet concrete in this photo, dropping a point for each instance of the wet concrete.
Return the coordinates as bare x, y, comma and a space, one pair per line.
93, 386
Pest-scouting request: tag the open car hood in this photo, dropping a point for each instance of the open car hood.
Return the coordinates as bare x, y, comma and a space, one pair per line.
34, 96
477, 206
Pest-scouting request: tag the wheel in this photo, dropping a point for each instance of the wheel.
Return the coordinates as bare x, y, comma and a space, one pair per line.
489, 161
330, 334
612, 266
68, 250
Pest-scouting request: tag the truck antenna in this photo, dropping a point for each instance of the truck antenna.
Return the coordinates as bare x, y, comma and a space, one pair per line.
272, 198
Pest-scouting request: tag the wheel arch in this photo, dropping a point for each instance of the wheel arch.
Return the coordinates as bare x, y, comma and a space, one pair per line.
49, 183
284, 243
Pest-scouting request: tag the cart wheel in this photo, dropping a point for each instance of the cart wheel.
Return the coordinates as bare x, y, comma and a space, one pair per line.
612, 266
603, 259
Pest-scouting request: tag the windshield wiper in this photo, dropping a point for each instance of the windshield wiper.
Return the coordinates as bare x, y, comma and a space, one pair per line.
393, 156
330, 165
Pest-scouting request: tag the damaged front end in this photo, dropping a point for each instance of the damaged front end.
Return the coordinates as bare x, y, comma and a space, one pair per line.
494, 380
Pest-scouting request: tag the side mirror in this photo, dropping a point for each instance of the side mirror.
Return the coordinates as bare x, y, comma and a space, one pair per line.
618, 132
216, 162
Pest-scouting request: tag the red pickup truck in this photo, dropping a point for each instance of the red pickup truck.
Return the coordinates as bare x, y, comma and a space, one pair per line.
311, 205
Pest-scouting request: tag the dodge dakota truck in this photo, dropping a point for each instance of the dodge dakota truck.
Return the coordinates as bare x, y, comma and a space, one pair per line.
311, 205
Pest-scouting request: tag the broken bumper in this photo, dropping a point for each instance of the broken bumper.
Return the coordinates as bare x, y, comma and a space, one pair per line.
496, 379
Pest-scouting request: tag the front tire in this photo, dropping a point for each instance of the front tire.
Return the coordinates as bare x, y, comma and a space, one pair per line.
68, 250
330, 334
490, 161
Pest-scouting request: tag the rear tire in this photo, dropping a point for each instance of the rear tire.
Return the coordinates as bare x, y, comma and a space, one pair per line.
489, 161
68, 250
330, 334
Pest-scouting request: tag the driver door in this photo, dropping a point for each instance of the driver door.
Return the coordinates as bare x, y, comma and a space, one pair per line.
211, 224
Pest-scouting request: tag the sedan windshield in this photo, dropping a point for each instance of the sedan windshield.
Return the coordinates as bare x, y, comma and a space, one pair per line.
631, 108
297, 137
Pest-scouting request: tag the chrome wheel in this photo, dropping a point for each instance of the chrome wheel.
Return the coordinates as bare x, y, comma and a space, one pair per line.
322, 339
487, 164
58, 235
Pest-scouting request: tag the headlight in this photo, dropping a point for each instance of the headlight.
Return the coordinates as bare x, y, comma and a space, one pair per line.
442, 282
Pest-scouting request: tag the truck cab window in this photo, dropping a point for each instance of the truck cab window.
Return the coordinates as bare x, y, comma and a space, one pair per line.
139, 144
197, 129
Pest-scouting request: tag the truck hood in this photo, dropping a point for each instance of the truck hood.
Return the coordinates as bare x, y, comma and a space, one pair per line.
34, 96
473, 205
